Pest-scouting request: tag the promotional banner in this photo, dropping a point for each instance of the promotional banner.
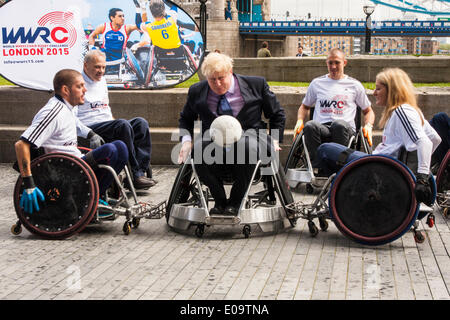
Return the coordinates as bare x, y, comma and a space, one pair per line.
148, 43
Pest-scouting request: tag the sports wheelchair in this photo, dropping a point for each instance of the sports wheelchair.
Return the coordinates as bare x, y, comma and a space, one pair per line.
72, 199
129, 71
443, 185
166, 64
371, 200
298, 164
189, 201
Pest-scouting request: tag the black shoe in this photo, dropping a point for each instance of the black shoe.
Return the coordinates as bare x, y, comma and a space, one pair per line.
143, 183
231, 210
216, 211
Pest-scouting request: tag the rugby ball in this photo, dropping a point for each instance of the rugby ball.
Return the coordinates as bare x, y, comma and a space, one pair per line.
225, 130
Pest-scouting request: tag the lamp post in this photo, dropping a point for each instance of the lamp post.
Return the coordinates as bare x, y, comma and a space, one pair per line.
203, 19
368, 10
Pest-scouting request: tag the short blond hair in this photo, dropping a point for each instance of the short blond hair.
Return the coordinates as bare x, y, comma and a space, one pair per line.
216, 62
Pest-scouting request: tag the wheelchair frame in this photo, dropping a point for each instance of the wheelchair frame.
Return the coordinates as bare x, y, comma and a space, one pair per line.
442, 184
252, 211
133, 211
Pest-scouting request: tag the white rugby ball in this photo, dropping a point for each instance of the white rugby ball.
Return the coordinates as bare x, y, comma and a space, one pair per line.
225, 130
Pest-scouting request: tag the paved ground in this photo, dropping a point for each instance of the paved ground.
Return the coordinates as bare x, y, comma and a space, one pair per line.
154, 262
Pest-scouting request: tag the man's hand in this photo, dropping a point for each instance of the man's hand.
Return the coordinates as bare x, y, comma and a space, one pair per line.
184, 151
367, 131
276, 145
95, 140
298, 128
423, 190
30, 196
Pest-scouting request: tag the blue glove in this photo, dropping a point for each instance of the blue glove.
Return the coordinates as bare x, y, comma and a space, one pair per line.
30, 196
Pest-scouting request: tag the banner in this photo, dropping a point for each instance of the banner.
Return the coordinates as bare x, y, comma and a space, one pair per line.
148, 44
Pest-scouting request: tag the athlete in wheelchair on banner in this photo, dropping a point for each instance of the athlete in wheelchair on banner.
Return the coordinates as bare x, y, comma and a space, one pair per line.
168, 60
60, 190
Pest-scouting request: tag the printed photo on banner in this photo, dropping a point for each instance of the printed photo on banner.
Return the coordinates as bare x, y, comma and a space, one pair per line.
148, 43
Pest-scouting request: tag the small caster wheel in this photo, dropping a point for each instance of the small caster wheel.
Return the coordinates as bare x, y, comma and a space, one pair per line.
247, 230
445, 212
16, 229
313, 229
323, 224
309, 188
430, 220
200, 230
135, 222
126, 228
419, 237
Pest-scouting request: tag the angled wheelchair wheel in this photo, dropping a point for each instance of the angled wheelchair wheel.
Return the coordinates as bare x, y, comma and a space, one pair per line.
443, 175
284, 191
296, 156
151, 67
133, 64
71, 196
372, 200
181, 188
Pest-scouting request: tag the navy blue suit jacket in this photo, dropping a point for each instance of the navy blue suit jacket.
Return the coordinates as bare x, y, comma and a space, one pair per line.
258, 100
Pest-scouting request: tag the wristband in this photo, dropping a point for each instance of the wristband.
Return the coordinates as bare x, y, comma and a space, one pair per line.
28, 182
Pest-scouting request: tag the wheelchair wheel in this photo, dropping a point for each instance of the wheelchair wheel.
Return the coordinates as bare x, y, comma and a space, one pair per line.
296, 157
71, 196
133, 64
181, 188
150, 67
372, 200
284, 192
443, 176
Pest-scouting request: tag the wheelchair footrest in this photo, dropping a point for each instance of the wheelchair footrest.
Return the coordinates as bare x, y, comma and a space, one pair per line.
222, 220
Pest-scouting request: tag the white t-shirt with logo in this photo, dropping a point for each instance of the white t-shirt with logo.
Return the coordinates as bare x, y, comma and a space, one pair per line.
96, 102
54, 128
404, 128
336, 99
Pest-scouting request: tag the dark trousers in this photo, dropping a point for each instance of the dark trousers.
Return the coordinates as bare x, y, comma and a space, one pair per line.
135, 134
441, 123
115, 155
238, 161
317, 133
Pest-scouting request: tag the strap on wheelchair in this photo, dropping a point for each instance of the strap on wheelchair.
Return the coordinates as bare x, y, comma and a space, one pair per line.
343, 156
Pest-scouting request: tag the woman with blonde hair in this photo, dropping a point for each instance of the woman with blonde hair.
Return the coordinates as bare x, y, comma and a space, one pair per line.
403, 126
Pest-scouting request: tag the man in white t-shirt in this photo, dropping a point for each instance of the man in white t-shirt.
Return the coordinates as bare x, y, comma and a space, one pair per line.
96, 113
54, 128
335, 98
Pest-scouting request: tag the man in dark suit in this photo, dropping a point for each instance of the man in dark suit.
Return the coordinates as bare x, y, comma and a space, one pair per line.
300, 52
245, 98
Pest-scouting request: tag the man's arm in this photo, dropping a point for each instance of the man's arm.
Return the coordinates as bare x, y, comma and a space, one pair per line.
99, 30
302, 114
23, 157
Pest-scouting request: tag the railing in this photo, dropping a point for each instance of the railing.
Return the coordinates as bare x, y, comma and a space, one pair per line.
350, 28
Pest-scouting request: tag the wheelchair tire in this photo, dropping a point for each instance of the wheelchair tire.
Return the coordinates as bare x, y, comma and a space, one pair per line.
71, 196
181, 188
296, 156
284, 192
372, 200
443, 175
150, 67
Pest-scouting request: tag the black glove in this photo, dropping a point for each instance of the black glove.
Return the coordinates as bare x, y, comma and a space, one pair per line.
423, 190
95, 140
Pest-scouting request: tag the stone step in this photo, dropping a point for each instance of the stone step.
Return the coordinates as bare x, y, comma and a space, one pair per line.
164, 140
161, 108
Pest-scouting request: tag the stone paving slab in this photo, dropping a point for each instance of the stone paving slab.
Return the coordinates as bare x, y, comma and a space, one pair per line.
155, 262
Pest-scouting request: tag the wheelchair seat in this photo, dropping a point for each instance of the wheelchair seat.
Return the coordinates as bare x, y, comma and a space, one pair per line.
189, 202
298, 168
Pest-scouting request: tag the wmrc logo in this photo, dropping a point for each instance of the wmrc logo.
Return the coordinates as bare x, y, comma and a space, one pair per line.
54, 35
